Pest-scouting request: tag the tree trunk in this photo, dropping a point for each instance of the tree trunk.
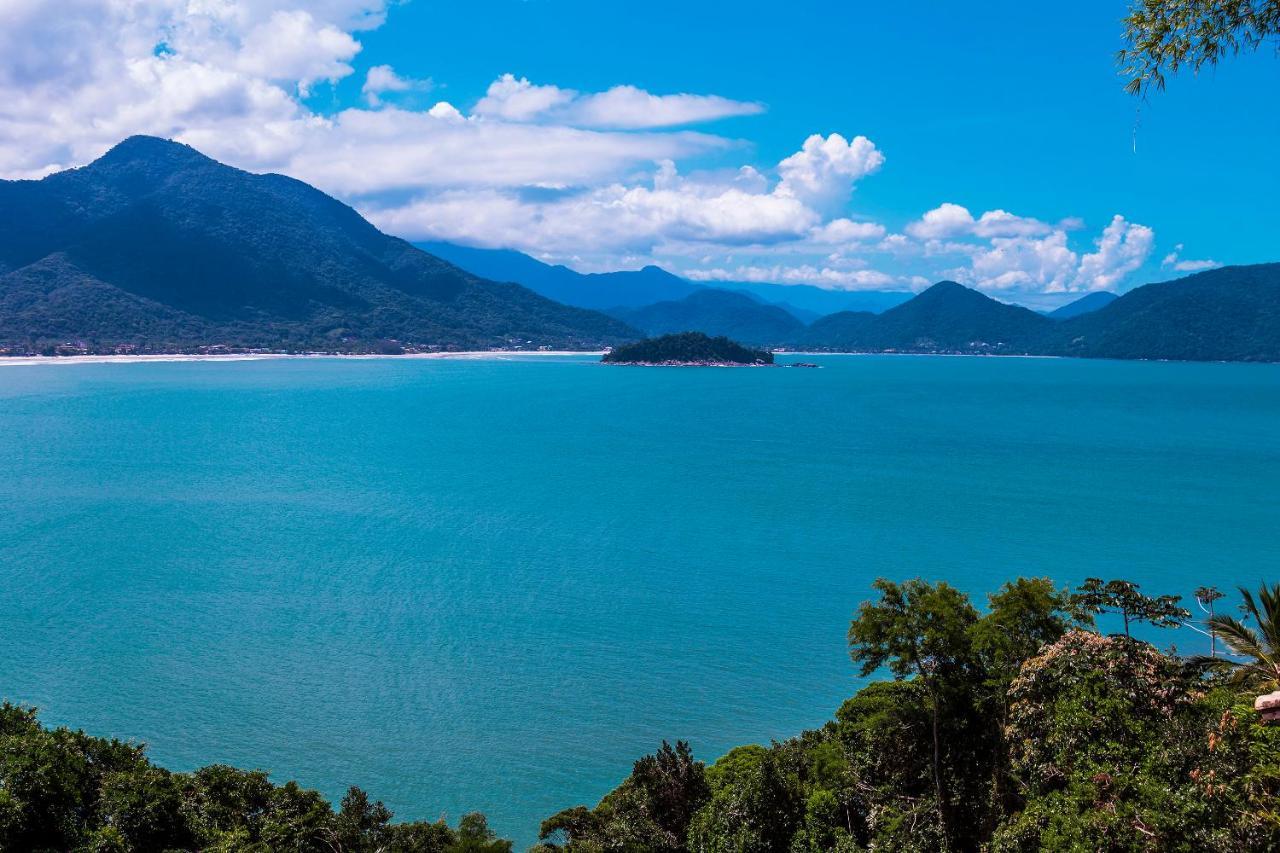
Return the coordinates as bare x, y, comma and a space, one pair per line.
937, 779
1213, 635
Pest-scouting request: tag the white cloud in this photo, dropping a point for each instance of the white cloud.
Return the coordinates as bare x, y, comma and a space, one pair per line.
1029, 263
945, 220
383, 79
616, 217
822, 173
1047, 264
622, 107
629, 107
1174, 262
842, 230
1123, 247
825, 277
999, 223
719, 209
293, 46
361, 153
519, 100
950, 220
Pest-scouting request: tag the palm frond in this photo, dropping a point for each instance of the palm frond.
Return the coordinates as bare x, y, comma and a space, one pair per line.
1239, 638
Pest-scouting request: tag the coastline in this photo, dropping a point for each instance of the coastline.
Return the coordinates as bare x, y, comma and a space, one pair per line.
28, 360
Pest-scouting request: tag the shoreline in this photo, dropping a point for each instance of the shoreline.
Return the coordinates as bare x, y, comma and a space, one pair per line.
28, 360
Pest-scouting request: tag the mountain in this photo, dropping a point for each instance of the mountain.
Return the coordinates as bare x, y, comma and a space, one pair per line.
1227, 314
844, 331
1084, 305
624, 289
948, 317
717, 313
819, 301
156, 247
636, 289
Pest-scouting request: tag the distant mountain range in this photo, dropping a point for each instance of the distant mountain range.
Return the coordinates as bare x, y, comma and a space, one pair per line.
1227, 314
155, 247
640, 288
718, 313
599, 291
947, 317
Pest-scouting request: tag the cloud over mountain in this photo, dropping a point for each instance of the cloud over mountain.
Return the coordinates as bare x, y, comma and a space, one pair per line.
600, 179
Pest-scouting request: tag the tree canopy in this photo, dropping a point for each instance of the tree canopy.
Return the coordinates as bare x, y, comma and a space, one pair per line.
1165, 36
1049, 736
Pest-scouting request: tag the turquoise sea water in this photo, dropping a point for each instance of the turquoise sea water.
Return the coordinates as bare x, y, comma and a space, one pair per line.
493, 584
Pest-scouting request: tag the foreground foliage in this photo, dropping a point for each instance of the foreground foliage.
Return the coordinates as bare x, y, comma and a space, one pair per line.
1020, 728
64, 790
1165, 36
1017, 727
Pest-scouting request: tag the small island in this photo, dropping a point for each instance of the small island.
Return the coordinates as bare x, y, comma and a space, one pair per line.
688, 349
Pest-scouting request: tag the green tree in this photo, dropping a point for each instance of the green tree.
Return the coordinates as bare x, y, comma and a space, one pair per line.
1164, 36
1261, 646
475, 836
759, 812
1205, 597
674, 786
1023, 617
920, 630
1097, 730
146, 806
1122, 597
361, 825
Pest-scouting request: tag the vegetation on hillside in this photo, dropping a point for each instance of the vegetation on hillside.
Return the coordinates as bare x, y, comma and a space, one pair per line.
156, 248
63, 790
1227, 314
1021, 728
687, 348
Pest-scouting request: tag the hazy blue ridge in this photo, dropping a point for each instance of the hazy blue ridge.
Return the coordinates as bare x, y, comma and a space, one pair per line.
623, 289
718, 313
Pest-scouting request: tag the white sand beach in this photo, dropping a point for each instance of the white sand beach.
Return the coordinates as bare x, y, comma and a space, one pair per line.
21, 361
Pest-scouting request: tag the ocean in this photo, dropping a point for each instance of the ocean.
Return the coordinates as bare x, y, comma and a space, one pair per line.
493, 584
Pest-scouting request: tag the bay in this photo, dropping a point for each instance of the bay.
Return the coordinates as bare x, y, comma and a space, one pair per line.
492, 584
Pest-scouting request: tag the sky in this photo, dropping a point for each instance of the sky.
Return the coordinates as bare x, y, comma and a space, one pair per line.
848, 145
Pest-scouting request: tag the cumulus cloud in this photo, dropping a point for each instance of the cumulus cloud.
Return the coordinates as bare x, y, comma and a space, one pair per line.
945, 220
1044, 263
520, 100
822, 173
383, 79
622, 107
293, 46
1175, 262
1047, 263
950, 220
1123, 247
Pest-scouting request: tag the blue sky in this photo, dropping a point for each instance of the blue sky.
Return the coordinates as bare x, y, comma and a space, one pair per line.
1003, 108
